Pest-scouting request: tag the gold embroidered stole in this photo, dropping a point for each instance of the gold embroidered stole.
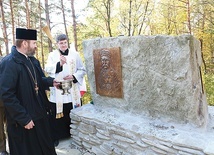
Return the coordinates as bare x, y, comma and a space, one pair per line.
68, 69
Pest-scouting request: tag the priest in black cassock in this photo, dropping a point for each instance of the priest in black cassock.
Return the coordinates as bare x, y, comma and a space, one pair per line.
23, 93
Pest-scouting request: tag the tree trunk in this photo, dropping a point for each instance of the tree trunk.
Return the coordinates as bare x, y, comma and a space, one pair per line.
108, 10
130, 16
27, 14
41, 38
0, 51
48, 24
4, 28
64, 21
74, 24
144, 17
12, 21
202, 42
188, 17
211, 44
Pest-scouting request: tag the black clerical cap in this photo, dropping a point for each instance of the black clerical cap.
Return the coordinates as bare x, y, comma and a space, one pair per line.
26, 34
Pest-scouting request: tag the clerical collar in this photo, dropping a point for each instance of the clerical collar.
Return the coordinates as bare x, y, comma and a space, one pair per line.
64, 53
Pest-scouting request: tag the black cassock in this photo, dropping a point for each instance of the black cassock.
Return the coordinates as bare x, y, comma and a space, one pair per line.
22, 104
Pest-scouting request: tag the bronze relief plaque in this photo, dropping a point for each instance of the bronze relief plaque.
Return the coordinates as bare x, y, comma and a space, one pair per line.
108, 72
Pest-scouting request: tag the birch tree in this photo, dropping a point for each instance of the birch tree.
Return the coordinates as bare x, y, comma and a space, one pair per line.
102, 16
48, 24
27, 14
74, 25
134, 16
12, 22
4, 27
64, 21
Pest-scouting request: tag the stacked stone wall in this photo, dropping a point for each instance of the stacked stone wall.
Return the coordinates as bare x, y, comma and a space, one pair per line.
106, 137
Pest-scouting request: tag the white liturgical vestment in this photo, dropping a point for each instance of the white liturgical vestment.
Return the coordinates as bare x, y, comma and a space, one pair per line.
74, 66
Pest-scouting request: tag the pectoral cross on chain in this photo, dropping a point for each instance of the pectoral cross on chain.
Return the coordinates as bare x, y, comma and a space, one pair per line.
36, 89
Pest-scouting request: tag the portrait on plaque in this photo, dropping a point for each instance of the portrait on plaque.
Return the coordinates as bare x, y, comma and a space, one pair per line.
108, 72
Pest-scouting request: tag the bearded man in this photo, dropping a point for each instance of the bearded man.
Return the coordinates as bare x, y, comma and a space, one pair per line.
23, 93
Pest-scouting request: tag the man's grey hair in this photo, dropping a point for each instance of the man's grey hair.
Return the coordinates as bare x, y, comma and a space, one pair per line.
61, 37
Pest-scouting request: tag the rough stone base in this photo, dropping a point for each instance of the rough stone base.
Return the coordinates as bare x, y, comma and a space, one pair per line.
112, 132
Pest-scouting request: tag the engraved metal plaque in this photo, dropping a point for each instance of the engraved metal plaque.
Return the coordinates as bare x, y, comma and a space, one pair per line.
108, 72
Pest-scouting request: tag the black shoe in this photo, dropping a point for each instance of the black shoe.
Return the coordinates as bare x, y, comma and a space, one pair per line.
56, 143
4, 153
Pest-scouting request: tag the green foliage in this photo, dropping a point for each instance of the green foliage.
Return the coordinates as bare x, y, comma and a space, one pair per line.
209, 87
86, 98
116, 17
208, 81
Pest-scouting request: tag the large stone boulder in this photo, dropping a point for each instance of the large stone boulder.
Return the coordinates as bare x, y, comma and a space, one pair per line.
161, 77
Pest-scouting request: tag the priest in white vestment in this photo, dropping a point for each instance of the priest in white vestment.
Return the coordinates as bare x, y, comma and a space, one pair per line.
64, 64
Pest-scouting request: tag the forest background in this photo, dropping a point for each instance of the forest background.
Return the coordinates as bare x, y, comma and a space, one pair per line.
111, 18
